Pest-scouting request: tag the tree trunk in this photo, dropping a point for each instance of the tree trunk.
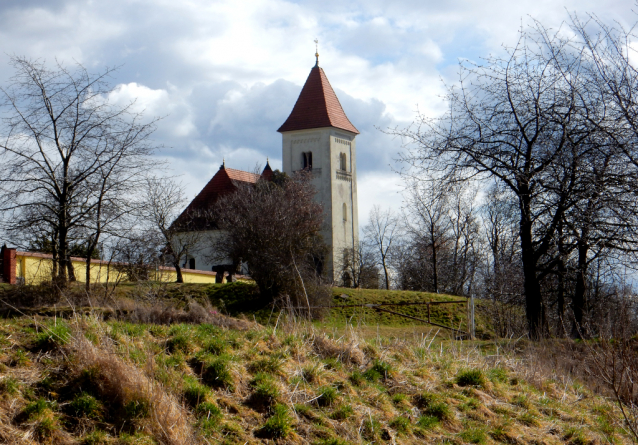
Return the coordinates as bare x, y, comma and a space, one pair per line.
435, 275
63, 257
561, 277
387, 278
578, 301
534, 310
178, 272
69, 265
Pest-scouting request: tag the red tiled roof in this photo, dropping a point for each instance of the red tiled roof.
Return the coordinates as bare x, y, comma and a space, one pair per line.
225, 181
317, 106
242, 176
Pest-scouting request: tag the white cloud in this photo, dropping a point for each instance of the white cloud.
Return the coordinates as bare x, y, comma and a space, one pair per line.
225, 74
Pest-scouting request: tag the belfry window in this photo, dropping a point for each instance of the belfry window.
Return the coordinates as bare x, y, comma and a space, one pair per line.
345, 212
191, 263
306, 159
343, 162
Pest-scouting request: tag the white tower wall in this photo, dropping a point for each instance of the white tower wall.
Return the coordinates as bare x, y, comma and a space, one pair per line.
335, 182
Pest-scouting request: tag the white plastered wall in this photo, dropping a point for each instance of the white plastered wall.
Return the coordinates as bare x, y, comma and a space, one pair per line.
335, 187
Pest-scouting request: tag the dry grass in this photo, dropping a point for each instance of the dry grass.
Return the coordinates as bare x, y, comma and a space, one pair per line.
123, 384
292, 383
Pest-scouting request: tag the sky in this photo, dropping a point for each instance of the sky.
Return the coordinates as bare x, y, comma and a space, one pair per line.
224, 75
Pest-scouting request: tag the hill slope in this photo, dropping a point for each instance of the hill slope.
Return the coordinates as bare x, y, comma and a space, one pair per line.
95, 382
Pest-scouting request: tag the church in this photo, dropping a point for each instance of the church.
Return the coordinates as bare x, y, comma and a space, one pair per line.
318, 137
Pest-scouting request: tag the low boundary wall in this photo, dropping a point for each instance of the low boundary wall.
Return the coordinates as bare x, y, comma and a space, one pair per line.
34, 268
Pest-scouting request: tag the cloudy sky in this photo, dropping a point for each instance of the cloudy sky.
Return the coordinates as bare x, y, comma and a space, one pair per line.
226, 74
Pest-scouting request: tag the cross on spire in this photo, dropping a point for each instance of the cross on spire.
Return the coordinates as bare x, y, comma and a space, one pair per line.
317, 51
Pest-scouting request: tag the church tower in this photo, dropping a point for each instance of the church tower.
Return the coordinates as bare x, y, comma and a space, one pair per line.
319, 137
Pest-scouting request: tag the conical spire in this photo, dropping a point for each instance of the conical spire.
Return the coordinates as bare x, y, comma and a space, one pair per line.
317, 106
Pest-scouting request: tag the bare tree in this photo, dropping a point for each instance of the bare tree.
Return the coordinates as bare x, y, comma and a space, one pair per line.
428, 223
66, 153
164, 201
381, 232
358, 267
274, 227
515, 120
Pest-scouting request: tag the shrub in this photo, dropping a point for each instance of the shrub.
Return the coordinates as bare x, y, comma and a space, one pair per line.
20, 358
85, 405
401, 425
45, 428
332, 364
333, 441
470, 377
342, 412
279, 424
328, 396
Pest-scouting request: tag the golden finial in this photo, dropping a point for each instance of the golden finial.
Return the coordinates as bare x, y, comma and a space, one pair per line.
317, 51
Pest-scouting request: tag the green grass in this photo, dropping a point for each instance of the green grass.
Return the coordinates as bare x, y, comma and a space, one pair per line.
240, 386
85, 405
470, 377
279, 424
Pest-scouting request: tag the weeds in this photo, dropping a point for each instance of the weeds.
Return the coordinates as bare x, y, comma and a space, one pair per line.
9, 385
342, 412
85, 405
473, 435
401, 425
53, 336
279, 424
328, 396
379, 370
265, 391
470, 377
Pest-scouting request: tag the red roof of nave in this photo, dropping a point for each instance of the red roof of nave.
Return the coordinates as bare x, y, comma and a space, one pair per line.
225, 181
317, 106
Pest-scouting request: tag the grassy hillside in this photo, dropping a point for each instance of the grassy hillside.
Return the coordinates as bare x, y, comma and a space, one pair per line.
94, 382
242, 299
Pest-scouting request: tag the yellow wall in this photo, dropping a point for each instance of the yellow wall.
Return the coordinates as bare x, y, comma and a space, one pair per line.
36, 269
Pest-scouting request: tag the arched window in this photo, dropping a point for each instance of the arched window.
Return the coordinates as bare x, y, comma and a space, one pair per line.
191, 263
306, 159
342, 161
345, 212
